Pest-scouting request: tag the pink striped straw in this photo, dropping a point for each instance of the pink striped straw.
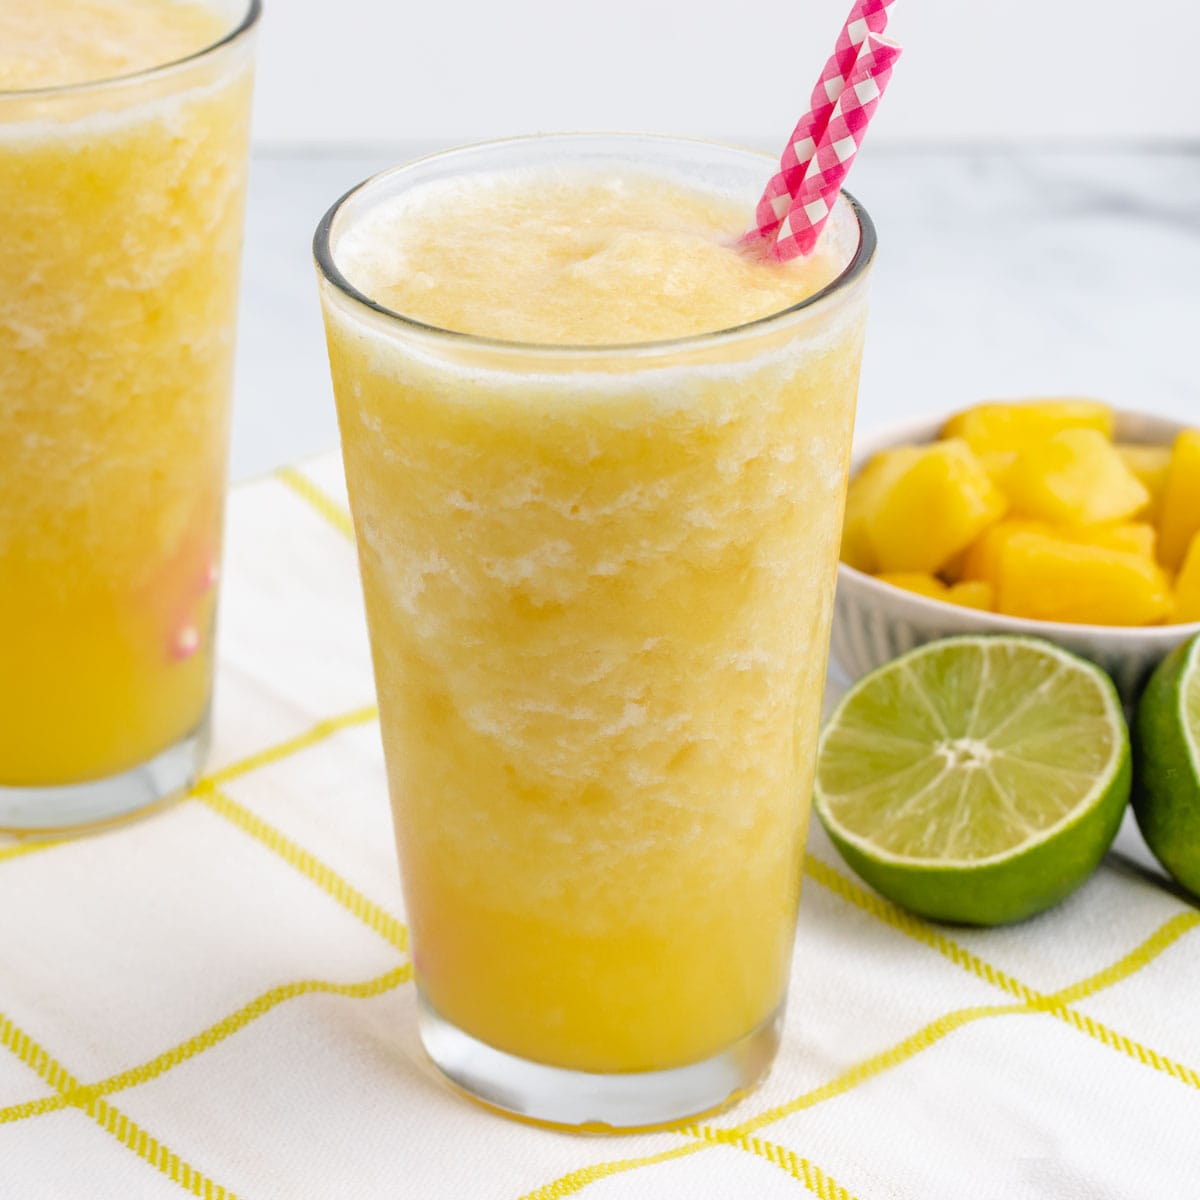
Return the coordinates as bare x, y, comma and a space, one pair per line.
810, 209
867, 16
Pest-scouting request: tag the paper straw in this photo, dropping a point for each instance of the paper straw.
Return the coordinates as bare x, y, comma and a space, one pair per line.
867, 16
810, 209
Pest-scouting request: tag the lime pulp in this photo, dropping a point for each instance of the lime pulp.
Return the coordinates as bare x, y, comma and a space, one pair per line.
976, 779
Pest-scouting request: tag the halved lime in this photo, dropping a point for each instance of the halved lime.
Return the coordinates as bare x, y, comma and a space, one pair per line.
976, 779
1167, 750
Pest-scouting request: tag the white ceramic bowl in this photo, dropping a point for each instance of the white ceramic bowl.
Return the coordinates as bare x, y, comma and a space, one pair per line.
874, 622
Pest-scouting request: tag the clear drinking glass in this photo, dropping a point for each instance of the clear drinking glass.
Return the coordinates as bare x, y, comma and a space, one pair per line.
122, 219
599, 583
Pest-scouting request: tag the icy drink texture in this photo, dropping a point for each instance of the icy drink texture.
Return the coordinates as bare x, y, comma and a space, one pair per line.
599, 585
122, 230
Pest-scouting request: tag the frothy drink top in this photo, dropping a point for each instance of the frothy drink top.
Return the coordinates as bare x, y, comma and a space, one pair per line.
56, 43
573, 257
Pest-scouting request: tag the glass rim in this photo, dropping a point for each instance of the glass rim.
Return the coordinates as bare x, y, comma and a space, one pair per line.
243, 26
322, 250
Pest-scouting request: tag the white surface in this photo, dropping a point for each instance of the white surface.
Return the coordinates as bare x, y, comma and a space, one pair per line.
232, 977
377, 71
1000, 273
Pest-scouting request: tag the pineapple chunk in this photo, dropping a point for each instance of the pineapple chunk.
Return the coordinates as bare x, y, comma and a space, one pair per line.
1179, 520
1187, 585
974, 593
1074, 478
966, 595
862, 498
932, 502
1130, 537
1008, 426
920, 582
1149, 464
1048, 578
997, 463
982, 560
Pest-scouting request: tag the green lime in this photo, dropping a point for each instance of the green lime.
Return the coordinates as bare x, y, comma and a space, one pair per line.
1167, 751
976, 779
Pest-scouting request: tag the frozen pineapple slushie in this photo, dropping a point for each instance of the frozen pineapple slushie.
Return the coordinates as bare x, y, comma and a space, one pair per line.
123, 142
597, 456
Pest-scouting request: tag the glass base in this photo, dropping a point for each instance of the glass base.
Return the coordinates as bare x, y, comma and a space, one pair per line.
581, 1100
74, 807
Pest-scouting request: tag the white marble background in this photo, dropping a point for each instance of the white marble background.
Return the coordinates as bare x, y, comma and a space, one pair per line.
1001, 272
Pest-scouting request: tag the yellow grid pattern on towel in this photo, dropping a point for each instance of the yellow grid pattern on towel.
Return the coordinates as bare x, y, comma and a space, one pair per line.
110, 1119
90, 1098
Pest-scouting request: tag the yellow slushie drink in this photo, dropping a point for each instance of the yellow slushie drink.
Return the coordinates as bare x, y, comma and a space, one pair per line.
598, 539
122, 187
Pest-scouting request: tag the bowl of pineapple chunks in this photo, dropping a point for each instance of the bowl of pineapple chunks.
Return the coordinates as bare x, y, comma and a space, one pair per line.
1063, 519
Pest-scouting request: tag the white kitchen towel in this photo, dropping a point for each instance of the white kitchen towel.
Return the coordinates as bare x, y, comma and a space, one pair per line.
217, 1000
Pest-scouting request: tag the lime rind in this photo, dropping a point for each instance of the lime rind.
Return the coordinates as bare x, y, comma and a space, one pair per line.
1003, 892
1167, 732
1189, 702
957, 716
